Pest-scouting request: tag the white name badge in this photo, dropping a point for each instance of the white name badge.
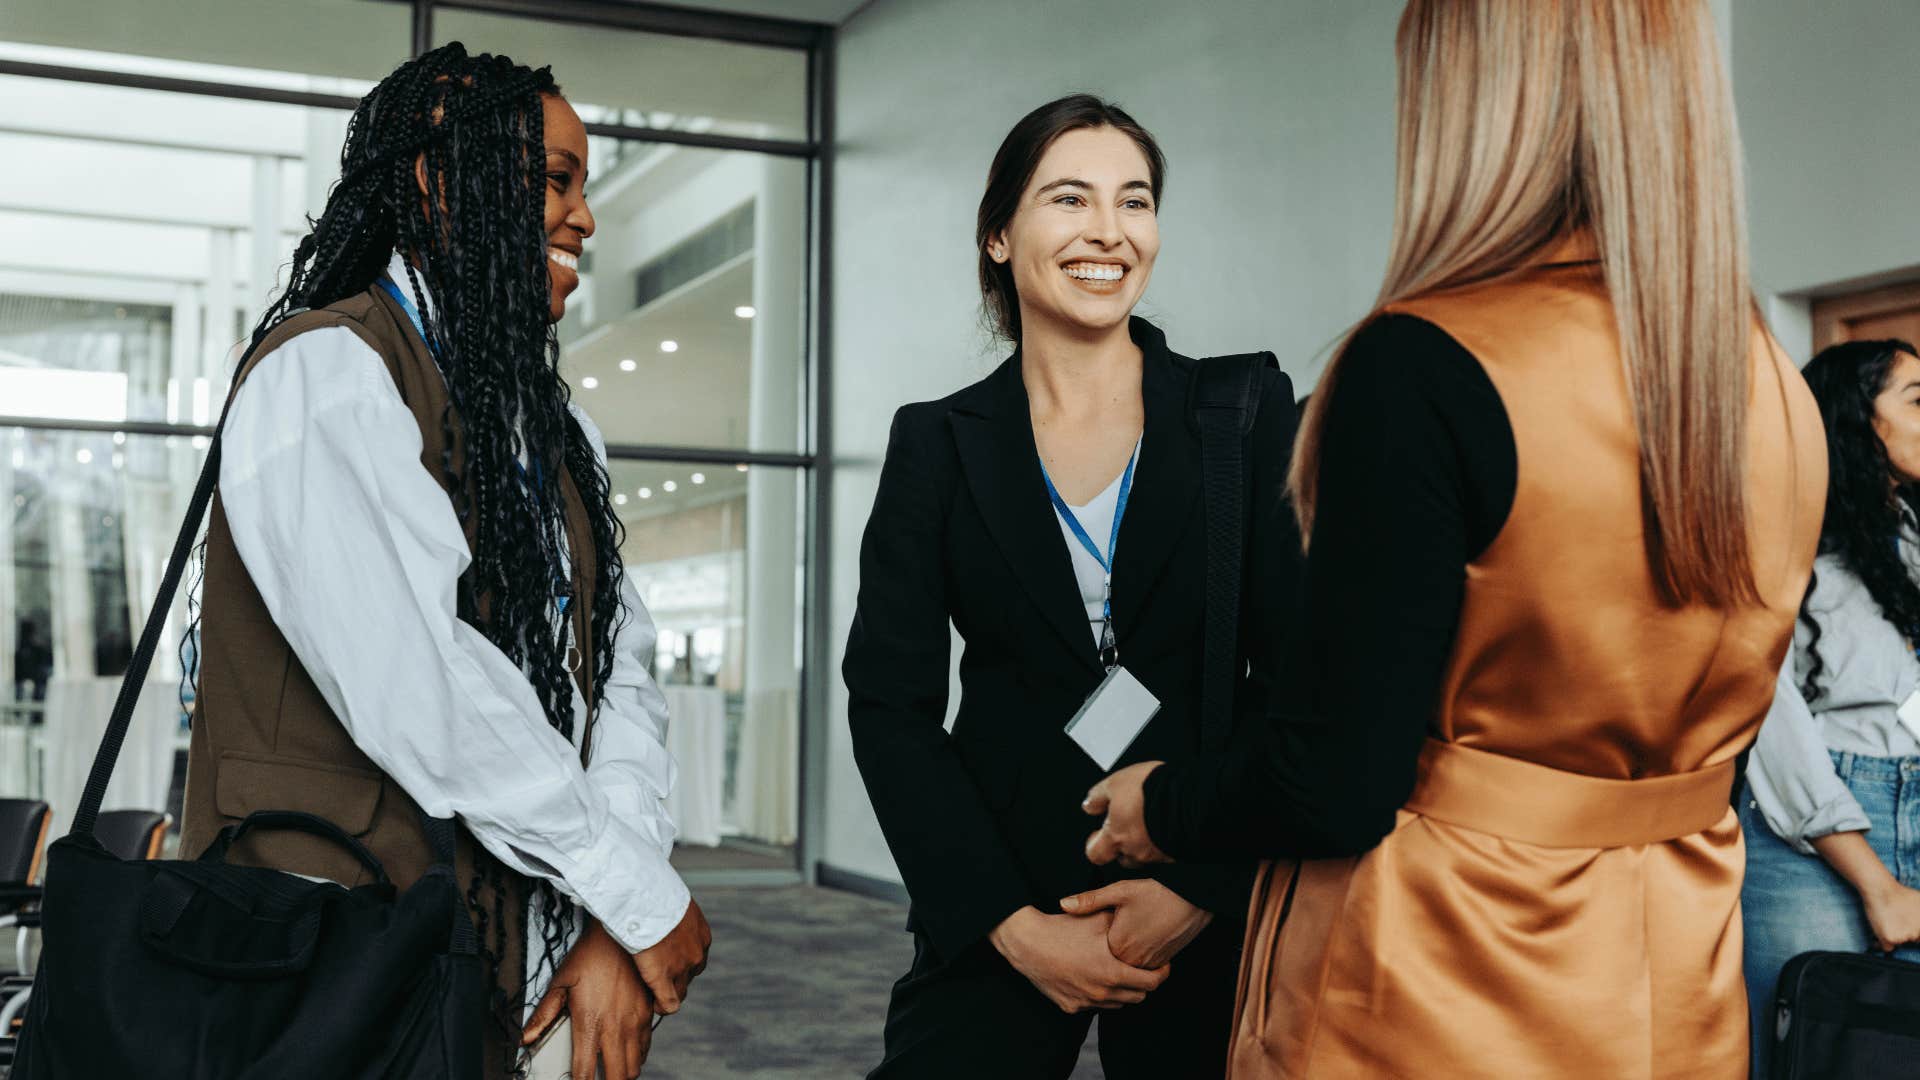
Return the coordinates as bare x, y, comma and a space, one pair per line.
1910, 713
1112, 717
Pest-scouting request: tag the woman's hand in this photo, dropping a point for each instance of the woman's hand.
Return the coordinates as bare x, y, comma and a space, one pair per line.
1066, 957
1893, 911
612, 1012
1151, 922
1123, 835
668, 967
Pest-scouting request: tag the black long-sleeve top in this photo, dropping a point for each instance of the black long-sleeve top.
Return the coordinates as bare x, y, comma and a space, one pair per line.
1417, 475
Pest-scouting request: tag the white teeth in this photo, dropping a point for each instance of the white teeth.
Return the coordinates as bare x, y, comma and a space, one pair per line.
1095, 271
566, 259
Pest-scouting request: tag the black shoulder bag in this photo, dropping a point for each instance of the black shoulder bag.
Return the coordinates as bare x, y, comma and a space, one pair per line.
1223, 401
198, 968
1846, 1016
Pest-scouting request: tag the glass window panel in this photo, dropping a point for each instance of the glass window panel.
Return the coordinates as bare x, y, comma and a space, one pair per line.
650, 80
159, 280
91, 520
326, 46
689, 325
716, 552
705, 249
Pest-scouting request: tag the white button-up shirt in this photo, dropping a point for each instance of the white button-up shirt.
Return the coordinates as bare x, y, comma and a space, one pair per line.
356, 551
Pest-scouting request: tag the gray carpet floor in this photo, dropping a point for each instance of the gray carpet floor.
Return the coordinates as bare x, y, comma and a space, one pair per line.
796, 989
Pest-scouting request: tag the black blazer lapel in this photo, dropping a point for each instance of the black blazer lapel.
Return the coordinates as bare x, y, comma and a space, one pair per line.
1166, 483
1002, 466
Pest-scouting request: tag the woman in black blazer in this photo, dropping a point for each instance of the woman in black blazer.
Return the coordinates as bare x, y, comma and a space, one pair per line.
985, 823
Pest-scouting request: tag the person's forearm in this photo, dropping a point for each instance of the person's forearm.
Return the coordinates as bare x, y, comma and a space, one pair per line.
1853, 858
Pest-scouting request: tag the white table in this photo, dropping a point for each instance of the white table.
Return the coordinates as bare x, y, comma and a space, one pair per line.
77, 714
697, 738
766, 791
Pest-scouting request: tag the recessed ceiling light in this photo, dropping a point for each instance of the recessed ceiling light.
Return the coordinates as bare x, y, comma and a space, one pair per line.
629, 365
669, 487
83, 456
646, 493
669, 346
119, 438
589, 383
744, 311
742, 467
620, 499
698, 478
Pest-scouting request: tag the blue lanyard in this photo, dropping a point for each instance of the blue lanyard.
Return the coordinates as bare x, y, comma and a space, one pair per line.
406, 305
1113, 541
562, 588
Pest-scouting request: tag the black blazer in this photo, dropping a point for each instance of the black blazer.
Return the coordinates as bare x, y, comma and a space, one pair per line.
987, 820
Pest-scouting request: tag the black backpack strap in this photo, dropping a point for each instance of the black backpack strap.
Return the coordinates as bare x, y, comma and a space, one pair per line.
1223, 401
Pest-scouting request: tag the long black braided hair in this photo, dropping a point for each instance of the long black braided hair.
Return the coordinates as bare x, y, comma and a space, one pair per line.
478, 249
1864, 508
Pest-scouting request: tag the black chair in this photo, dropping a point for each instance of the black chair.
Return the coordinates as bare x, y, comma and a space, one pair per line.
131, 834
23, 841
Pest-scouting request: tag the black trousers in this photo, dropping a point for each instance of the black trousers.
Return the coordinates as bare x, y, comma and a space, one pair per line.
978, 1017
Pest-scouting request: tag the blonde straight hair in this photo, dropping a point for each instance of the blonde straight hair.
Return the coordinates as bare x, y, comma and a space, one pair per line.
1521, 121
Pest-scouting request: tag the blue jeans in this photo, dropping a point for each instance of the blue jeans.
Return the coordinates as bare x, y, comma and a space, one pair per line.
1794, 903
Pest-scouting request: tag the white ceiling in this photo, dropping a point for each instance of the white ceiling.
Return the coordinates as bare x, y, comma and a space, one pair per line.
834, 12
698, 395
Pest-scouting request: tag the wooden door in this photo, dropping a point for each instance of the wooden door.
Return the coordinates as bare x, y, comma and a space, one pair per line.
1889, 312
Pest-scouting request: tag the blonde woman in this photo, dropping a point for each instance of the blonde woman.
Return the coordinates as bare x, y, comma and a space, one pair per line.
1562, 494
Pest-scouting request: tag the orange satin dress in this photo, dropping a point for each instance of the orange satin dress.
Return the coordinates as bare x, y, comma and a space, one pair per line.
1561, 896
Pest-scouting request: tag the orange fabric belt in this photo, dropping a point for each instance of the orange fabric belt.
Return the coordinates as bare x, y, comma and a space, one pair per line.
1534, 804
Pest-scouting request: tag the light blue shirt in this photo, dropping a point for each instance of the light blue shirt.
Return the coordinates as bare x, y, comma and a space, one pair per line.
1868, 671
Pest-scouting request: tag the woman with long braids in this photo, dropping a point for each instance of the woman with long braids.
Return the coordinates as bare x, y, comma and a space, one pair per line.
1830, 864
413, 594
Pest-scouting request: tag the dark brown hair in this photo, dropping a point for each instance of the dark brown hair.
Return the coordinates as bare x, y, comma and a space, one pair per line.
1013, 167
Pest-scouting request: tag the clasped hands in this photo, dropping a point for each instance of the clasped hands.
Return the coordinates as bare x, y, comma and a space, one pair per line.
612, 997
1112, 946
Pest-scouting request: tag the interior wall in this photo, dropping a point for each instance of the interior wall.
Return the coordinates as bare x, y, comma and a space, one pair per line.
1825, 93
1277, 124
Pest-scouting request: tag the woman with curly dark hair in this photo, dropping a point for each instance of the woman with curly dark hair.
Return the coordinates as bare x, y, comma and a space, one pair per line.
1833, 774
413, 595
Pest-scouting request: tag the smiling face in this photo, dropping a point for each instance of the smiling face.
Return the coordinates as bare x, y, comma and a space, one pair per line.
568, 221
1082, 243
1896, 417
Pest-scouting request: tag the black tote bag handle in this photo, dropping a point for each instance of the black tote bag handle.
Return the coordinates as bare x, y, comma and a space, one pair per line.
295, 821
439, 830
